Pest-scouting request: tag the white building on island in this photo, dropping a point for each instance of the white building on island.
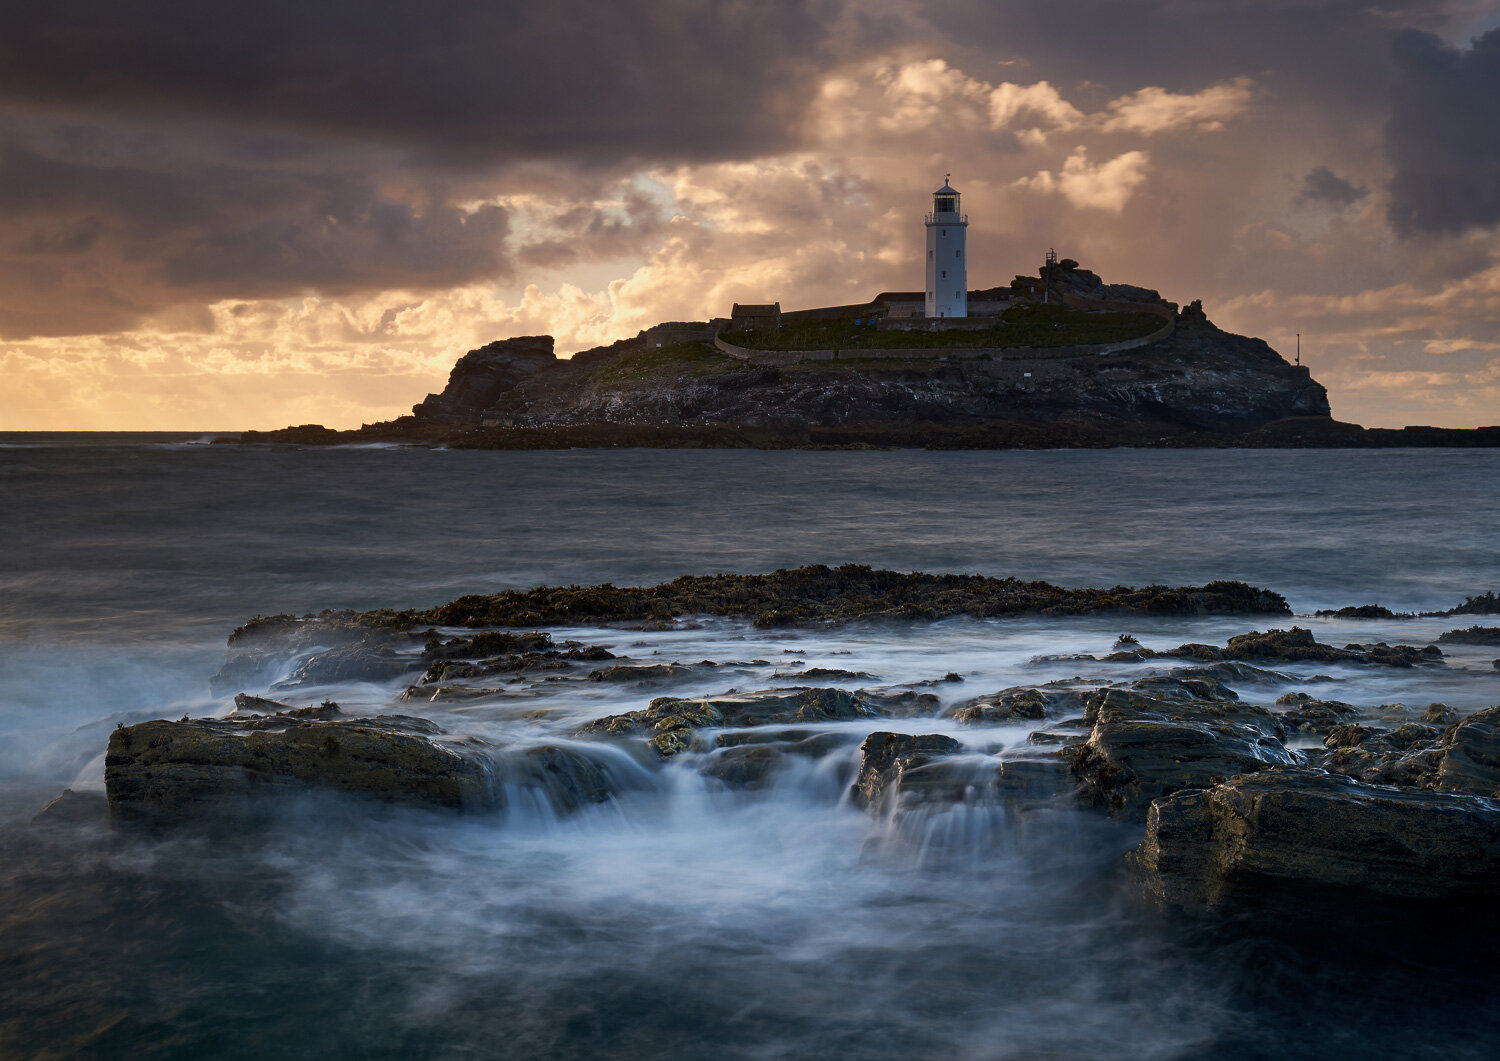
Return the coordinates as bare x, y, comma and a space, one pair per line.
947, 265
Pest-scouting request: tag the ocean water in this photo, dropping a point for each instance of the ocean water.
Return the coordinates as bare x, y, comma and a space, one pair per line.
681, 919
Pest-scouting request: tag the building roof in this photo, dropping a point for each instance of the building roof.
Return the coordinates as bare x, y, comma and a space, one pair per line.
946, 189
750, 309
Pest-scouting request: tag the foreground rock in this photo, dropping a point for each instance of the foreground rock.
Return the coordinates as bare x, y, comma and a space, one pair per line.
169, 771
1144, 746
1470, 759
1254, 839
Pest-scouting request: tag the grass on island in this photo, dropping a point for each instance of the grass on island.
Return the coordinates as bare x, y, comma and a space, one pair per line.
1029, 325
695, 360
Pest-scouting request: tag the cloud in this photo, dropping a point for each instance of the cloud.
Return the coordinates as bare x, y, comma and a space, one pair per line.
465, 80
1154, 110
1040, 103
1443, 138
342, 198
95, 239
1103, 186
1322, 185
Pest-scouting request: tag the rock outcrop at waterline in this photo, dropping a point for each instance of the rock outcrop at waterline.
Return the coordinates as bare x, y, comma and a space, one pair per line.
1254, 838
165, 771
788, 596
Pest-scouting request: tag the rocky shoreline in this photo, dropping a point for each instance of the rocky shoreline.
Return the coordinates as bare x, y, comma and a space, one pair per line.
1246, 805
1302, 432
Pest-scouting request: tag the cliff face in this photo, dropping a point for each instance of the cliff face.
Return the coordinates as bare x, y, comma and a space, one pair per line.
482, 376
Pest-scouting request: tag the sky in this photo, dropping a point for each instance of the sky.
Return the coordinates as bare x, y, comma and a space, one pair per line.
218, 217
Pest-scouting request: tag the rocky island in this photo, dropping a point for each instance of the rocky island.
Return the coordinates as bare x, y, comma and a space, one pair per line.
1071, 361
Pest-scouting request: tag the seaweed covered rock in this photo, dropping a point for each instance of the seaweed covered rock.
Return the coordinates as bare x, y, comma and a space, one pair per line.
178, 770
1471, 635
1255, 839
643, 673
1298, 644
852, 591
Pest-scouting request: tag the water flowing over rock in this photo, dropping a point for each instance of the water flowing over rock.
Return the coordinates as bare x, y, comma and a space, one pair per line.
907, 775
671, 720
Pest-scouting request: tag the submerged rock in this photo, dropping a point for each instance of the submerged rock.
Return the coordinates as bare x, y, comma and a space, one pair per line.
372, 658
74, 809
1296, 831
748, 760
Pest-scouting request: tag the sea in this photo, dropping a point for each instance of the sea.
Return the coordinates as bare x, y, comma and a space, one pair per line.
683, 918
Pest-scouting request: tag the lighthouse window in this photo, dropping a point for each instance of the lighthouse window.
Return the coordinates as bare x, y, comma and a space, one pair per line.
929, 255
945, 231
945, 274
958, 254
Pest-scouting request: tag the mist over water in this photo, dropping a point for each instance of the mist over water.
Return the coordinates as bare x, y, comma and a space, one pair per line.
680, 919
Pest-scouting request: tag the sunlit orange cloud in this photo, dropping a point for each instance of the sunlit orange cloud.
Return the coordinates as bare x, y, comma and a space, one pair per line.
1193, 192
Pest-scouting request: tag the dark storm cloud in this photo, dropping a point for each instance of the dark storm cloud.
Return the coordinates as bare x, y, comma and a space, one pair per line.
90, 244
664, 79
162, 152
1336, 47
1443, 139
1322, 185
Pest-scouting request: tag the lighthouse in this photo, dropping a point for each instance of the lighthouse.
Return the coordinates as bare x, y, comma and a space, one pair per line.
947, 269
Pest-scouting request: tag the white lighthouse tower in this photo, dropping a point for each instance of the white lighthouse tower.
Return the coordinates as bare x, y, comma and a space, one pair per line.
947, 267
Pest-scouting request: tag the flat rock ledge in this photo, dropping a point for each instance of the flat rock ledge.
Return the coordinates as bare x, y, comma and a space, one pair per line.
171, 771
